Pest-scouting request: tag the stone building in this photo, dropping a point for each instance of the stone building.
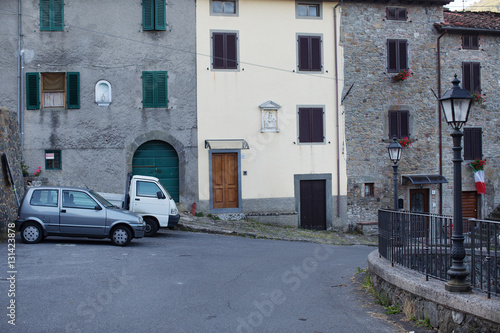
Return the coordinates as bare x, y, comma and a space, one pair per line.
379, 41
106, 88
470, 45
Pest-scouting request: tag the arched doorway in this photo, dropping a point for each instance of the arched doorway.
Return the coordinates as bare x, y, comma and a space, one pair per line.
158, 159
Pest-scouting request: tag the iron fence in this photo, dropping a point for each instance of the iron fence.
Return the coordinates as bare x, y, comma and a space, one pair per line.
422, 242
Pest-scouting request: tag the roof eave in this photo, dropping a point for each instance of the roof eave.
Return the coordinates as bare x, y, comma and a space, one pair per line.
460, 30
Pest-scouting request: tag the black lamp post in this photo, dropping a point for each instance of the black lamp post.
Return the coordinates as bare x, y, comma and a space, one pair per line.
395, 149
456, 104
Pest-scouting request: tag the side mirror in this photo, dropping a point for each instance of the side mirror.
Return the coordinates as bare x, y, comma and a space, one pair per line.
160, 195
97, 207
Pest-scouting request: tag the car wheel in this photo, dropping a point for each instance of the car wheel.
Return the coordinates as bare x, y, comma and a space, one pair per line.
151, 227
121, 236
31, 233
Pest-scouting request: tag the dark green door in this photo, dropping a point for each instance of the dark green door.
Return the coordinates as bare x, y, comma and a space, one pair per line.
158, 159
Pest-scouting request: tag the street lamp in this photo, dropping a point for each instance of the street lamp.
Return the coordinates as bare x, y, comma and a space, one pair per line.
394, 150
456, 104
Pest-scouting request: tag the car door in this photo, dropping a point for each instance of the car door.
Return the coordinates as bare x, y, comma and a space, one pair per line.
146, 199
81, 214
44, 205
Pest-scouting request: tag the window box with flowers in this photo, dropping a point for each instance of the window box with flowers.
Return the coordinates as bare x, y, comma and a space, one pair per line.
403, 75
478, 98
405, 142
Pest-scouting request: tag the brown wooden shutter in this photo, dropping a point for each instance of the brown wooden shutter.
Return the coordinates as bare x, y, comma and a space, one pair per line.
392, 66
404, 124
303, 53
315, 53
218, 50
403, 55
393, 124
317, 125
476, 79
473, 143
304, 125
231, 51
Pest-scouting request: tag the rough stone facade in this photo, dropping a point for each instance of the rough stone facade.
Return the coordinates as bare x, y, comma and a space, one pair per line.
11, 147
364, 32
485, 116
106, 41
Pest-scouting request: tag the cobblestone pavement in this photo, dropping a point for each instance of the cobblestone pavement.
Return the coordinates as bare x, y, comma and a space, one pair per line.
249, 228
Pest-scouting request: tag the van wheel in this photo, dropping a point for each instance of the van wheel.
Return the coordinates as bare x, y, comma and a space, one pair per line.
151, 227
121, 236
31, 233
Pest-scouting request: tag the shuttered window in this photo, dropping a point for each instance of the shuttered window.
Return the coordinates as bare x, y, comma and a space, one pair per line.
58, 90
399, 124
309, 53
397, 55
311, 125
471, 76
32, 91
154, 15
154, 89
51, 15
473, 143
470, 42
397, 14
224, 50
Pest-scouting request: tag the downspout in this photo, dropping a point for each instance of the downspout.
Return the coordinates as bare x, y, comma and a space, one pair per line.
20, 70
439, 122
337, 106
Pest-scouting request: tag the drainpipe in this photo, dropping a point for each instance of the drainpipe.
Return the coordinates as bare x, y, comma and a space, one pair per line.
337, 107
439, 122
20, 70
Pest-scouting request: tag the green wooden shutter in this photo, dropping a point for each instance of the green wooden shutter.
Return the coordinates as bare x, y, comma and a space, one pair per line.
51, 15
161, 89
160, 15
58, 16
32, 91
148, 15
73, 90
44, 15
148, 100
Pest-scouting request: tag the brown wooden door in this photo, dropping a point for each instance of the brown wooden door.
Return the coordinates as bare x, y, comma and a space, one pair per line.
419, 203
313, 204
469, 207
225, 180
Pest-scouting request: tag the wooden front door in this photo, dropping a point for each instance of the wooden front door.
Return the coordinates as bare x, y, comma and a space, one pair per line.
225, 180
313, 204
419, 203
469, 207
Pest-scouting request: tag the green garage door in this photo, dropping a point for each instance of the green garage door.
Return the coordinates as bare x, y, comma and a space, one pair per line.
160, 160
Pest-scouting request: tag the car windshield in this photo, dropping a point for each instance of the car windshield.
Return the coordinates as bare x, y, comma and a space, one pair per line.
103, 201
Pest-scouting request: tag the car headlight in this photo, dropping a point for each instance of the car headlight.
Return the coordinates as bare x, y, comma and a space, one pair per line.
174, 211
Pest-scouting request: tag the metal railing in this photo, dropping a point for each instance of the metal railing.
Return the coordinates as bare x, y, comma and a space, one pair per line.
422, 242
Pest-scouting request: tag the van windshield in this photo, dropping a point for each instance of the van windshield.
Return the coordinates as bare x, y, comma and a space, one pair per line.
103, 201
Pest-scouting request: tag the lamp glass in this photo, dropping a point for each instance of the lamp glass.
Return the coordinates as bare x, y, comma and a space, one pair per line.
395, 151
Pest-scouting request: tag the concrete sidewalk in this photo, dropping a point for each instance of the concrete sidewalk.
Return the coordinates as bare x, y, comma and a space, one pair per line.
249, 228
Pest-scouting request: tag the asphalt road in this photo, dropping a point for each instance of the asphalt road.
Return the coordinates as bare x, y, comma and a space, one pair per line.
183, 282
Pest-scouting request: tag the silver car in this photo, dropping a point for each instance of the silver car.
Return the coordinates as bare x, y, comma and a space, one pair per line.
69, 211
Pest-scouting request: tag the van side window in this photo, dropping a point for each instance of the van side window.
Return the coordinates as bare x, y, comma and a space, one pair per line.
147, 189
44, 198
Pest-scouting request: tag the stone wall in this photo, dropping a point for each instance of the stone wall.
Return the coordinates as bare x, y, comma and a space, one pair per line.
440, 317
10, 145
430, 303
